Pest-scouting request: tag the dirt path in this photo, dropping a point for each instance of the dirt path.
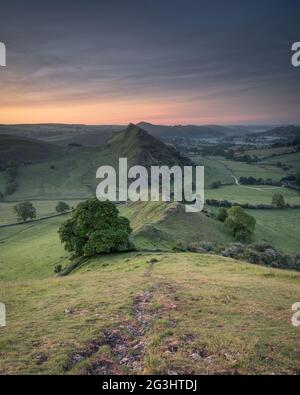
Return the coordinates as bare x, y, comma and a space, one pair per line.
127, 343
244, 186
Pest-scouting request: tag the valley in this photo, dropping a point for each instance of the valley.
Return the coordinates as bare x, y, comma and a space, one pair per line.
175, 305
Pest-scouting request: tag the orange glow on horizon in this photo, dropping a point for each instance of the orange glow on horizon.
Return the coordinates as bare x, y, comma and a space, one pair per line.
124, 112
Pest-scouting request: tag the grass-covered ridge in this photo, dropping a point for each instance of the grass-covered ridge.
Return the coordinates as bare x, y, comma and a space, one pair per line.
200, 314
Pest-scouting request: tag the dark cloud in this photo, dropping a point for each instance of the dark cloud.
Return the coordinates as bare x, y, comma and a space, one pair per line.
191, 50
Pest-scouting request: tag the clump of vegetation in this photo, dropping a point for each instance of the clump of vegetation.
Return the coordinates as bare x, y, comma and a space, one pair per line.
240, 224
179, 247
25, 211
95, 227
222, 214
261, 254
58, 269
11, 173
62, 207
216, 184
278, 201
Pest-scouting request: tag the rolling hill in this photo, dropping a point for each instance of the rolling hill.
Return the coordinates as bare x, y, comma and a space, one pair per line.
63, 134
24, 150
143, 149
162, 313
72, 173
290, 132
189, 131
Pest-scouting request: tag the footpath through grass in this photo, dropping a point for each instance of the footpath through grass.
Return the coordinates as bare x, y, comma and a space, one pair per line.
153, 313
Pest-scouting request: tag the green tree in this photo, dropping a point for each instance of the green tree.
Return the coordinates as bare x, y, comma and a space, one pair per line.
62, 207
95, 227
25, 211
240, 223
278, 200
298, 178
222, 214
216, 184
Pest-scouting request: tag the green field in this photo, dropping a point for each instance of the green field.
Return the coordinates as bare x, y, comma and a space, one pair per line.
35, 247
257, 170
214, 170
252, 194
31, 250
269, 152
44, 208
279, 227
292, 160
187, 313
158, 225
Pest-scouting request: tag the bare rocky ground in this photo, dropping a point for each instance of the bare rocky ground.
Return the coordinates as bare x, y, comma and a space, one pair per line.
127, 343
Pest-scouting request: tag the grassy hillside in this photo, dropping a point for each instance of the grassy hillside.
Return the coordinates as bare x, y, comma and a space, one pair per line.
155, 225
270, 152
254, 194
31, 250
44, 208
291, 160
158, 225
257, 170
73, 174
214, 170
186, 313
280, 227
141, 148
24, 150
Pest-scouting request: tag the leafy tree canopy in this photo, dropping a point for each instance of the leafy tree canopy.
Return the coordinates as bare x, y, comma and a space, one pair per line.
240, 223
62, 207
278, 200
25, 211
95, 227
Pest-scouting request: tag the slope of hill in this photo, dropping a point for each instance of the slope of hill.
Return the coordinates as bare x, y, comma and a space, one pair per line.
163, 225
283, 132
169, 314
141, 148
190, 131
25, 150
73, 175
63, 134
156, 225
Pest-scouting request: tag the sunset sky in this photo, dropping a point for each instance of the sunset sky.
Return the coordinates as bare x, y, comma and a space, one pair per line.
170, 62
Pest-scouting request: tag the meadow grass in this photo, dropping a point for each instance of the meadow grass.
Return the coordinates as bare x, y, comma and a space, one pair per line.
44, 208
257, 170
207, 314
254, 194
279, 227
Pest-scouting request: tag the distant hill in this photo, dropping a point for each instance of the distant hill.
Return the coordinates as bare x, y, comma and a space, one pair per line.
73, 173
291, 132
191, 131
63, 134
143, 149
95, 135
24, 150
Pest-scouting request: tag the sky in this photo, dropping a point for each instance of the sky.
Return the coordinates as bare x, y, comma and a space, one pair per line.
166, 62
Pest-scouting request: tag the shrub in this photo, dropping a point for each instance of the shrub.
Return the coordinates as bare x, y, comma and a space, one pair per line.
179, 246
252, 256
58, 269
278, 201
95, 227
10, 187
240, 223
222, 214
25, 211
62, 207
216, 184
207, 246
